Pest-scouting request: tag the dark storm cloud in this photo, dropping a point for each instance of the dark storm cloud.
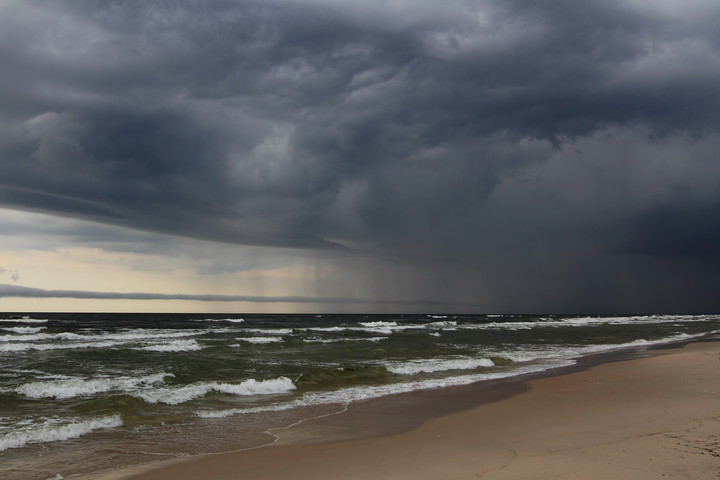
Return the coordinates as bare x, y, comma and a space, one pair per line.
676, 230
305, 123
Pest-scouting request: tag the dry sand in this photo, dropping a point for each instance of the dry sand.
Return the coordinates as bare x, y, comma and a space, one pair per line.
646, 418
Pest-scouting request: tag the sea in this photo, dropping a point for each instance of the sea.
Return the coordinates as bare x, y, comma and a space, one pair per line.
89, 392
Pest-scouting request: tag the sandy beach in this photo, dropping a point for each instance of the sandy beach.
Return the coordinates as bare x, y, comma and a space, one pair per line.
655, 416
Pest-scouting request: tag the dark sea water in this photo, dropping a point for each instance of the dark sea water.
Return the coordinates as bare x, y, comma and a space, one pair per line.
86, 392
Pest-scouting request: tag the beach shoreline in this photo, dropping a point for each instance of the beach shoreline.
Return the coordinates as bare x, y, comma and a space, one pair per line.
585, 421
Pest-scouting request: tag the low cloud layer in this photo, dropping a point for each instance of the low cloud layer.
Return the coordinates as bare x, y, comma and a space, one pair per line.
466, 130
15, 291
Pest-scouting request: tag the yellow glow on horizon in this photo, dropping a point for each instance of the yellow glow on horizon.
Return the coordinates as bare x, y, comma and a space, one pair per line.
151, 306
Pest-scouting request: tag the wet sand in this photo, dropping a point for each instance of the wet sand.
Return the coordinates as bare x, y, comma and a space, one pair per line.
657, 416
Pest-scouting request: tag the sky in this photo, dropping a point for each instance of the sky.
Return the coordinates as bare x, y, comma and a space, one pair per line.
477, 156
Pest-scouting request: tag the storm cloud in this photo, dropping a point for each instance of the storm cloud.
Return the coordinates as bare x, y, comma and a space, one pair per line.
482, 130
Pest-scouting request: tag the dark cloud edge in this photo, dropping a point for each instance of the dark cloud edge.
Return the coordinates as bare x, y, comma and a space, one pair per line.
14, 291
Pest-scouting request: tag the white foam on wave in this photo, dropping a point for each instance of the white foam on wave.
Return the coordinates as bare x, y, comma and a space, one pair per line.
531, 353
385, 328
53, 430
550, 359
438, 365
30, 337
130, 335
23, 320
21, 347
238, 411
586, 322
178, 395
340, 340
23, 330
269, 331
353, 394
323, 329
260, 340
379, 324
447, 324
586, 350
120, 338
71, 340
80, 387
174, 346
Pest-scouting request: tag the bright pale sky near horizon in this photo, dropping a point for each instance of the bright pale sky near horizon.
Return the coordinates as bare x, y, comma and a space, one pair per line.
345, 156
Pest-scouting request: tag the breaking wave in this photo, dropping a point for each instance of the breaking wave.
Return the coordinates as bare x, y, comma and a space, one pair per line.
439, 365
177, 395
53, 430
77, 387
260, 340
174, 346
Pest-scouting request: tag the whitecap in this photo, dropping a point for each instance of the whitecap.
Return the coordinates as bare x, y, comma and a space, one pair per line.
230, 320
78, 387
260, 340
25, 338
24, 330
23, 320
174, 346
178, 395
340, 340
269, 331
130, 335
255, 387
20, 347
53, 430
353, 394
438, 365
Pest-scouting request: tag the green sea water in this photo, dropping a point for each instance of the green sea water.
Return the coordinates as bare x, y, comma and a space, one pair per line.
86, 392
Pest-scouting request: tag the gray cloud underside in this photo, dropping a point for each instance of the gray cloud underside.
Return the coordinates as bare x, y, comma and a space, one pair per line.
14, 291
416, 125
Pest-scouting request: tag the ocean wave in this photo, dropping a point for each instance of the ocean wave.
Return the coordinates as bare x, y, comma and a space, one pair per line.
379, 324
230, 320
447, 324
353, 394
438, 365
21, 347
71, 340
323, 329
130, 335
269, 331
344, 339
120, 338
385, 328
26, 337
54, 430
23, 320
243, 411
174, 346
23, 330
582, 322
178, 395
80, 387
532, 353
260, 340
